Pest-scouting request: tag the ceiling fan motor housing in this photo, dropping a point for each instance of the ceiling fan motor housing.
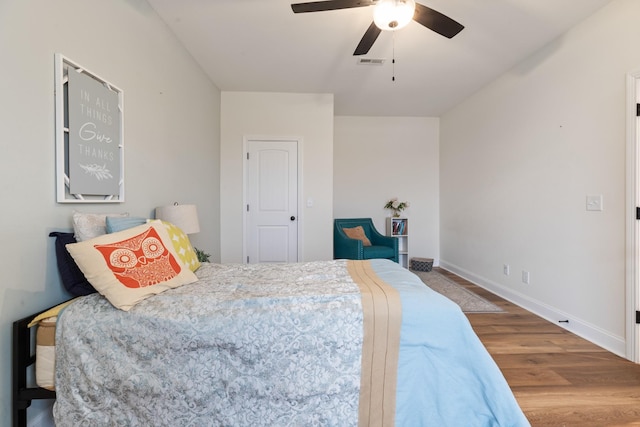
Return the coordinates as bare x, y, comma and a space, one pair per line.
391, 15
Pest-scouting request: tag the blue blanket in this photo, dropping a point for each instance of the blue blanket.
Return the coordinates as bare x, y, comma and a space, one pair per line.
269, 345
445, 375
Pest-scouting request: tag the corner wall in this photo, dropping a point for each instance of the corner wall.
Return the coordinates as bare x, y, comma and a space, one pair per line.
171, 134
518, 160
377, 158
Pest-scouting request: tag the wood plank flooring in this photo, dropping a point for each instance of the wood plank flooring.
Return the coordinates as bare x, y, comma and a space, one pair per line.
558, 378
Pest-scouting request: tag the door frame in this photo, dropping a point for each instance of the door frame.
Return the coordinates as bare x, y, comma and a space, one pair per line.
245, 150
632, 226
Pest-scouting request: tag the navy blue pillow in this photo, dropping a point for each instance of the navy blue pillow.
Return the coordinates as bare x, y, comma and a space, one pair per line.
72, 278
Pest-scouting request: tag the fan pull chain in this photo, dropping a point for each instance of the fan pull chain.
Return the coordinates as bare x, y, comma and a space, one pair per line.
393, 64
393, 56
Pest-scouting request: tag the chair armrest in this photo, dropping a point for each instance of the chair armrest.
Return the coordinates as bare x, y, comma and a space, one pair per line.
382, 240
374, 234
392, 242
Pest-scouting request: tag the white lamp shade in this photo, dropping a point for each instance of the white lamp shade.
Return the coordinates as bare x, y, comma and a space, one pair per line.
391, 15
185, 217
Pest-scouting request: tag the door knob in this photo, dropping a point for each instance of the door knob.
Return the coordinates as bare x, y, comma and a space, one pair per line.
293, 218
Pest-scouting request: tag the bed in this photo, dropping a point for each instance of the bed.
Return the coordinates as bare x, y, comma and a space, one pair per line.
271, 345
330, 343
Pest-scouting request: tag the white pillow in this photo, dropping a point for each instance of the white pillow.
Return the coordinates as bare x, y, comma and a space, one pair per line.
87, 225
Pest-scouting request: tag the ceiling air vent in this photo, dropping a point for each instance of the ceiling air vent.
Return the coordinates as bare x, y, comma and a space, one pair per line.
370, 61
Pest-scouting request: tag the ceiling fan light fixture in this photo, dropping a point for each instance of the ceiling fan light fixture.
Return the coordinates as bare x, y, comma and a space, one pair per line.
391, 15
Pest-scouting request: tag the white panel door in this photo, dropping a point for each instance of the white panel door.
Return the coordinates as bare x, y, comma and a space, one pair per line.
272, 201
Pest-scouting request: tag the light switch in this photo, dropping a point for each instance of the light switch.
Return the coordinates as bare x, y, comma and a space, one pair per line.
594, 202
310, 202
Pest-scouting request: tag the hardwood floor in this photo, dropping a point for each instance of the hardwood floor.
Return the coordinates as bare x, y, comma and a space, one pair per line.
558, 378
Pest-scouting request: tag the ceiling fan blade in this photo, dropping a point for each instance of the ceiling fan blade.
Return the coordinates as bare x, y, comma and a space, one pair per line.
368, 39
436, 21
319, 6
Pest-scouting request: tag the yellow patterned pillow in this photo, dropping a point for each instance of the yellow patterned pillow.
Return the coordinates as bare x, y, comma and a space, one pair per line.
182, 245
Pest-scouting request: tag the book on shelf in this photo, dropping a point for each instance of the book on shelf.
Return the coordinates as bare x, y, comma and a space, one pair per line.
399, 226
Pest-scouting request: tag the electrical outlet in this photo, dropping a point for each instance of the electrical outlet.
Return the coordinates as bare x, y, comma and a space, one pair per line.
526, 277
506, 270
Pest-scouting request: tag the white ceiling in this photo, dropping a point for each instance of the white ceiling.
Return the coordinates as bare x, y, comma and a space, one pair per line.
261, 45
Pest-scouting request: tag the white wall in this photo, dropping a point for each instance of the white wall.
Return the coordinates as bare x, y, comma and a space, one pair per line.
305, 116
171, 129
377, 158
517, 162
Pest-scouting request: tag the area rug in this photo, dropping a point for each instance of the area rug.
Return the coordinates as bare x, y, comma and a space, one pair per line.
467, 300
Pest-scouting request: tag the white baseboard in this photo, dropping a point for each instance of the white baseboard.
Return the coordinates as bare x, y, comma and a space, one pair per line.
613, 343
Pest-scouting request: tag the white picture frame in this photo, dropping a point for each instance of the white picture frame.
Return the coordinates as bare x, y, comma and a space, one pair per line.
90, 149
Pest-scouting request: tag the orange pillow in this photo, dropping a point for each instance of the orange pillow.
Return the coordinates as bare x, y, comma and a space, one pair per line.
358, 234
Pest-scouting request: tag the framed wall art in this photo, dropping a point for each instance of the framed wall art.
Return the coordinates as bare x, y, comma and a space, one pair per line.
89, 136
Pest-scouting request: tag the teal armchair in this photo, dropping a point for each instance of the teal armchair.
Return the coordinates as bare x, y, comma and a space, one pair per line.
345, 247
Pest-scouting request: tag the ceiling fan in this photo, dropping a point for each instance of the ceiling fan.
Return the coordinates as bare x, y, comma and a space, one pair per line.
388, 15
